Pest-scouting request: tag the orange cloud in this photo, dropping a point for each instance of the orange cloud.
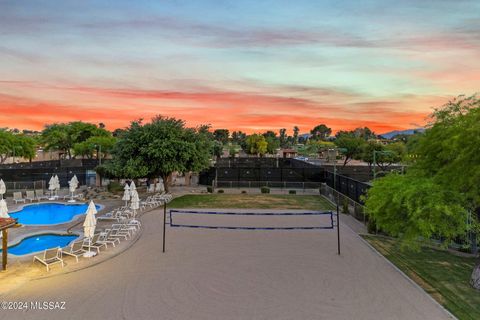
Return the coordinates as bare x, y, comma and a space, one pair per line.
246, 111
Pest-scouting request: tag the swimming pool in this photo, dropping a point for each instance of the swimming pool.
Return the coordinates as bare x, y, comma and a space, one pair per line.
49, 213
41, 242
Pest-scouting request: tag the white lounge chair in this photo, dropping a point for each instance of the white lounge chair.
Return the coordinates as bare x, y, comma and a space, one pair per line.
106, 239
79, 196
118, 232
75, 249
50, 257
40, 196
93, 243
30, 195
17, 197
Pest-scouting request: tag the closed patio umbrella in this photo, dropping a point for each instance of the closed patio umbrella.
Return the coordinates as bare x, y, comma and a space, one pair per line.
72, 187
57, 185
75, 179
52, 186
132, 186
3, 188
89, 226
126, 194
135, 202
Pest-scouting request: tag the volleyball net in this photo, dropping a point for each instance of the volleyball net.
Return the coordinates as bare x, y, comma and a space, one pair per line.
259, 220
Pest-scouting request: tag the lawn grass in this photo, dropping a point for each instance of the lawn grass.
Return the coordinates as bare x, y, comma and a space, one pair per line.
252, 201
443, 275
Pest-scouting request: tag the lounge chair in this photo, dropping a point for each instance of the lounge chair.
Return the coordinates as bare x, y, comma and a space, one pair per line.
118, 232
40, 196
50, 257
75, 249
105, 238
17, 197
78, 196
113, 215
30, 195
93, 243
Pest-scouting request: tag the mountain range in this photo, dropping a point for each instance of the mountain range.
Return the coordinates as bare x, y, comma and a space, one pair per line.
391, 134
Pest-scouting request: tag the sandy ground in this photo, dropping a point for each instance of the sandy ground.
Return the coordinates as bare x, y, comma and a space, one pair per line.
232, 274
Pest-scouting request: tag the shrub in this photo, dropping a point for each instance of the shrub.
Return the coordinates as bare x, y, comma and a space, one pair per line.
115, 186
292, 191
371, 226
244, 191
265, 189
345, 205
210, 189
221, 191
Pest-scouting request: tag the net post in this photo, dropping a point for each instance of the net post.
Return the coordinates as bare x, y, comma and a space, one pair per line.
164, 223
338, 231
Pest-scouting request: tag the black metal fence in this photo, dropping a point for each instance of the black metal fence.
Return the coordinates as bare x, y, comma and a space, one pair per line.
43, 170
270, 184
352, 188
251, 162
24, 185
258, 172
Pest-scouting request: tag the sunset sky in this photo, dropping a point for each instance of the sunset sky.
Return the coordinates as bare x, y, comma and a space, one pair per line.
247, 65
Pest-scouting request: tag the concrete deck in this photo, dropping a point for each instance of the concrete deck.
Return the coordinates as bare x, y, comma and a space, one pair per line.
232, 274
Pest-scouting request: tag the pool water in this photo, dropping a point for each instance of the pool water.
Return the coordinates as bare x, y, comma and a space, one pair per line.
49, 213
41, 242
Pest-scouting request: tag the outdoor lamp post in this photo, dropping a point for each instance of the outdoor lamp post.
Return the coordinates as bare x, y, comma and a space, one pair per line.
338, 194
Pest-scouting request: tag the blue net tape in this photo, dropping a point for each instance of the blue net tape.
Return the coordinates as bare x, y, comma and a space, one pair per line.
318, 213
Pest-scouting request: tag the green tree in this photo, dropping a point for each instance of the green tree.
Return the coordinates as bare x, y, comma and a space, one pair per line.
25, 146
256, 144
239, 138
295, 134
273, 143
367, 152
160, 148
441, 188
364, 133
321, 132
413, 207
221, 135
232, 151
217, 148
56, 137
385, 155
6, 144
100, 146
63, 136
16, 145
351, 147
283, 137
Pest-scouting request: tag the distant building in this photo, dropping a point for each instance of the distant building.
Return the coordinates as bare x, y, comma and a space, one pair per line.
288, 153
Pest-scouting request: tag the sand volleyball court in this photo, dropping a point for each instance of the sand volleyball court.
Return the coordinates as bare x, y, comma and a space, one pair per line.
233, 274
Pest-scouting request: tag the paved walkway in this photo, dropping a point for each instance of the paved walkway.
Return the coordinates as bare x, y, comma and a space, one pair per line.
232, 274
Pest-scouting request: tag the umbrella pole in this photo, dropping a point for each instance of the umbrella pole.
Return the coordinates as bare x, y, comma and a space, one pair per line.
164, 222
4, 248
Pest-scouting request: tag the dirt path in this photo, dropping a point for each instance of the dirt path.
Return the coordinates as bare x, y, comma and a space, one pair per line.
233, 274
